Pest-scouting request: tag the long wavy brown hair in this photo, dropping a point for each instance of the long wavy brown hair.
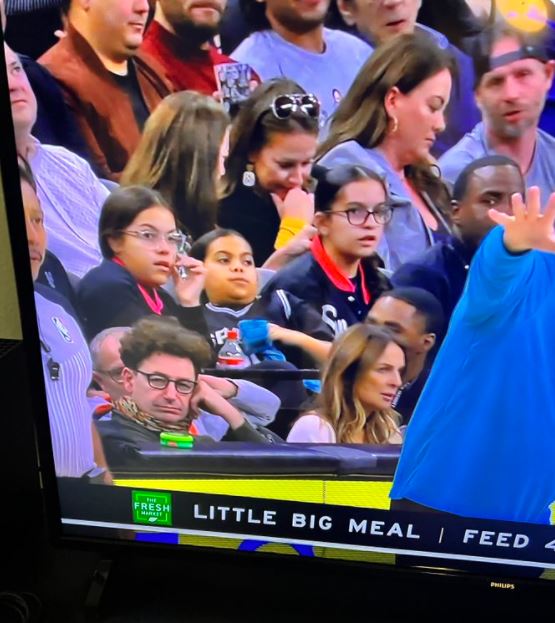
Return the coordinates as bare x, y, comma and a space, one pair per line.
254, 125
178, 157
352, 355
404, 62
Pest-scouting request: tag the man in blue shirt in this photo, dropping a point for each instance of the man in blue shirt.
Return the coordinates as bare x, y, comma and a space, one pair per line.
378, 22
480, 443
290, 41
513, 76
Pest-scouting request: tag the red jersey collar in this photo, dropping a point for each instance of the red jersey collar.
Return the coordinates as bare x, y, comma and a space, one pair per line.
339, 280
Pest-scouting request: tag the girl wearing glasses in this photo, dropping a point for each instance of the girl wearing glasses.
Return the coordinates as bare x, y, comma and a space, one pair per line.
359, 383
388, 121
181, 155
140, 240
339, 275
272, 144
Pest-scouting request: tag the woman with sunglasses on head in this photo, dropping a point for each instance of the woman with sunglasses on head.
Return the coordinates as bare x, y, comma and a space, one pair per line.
339, 275
272, 144
359, 383
140, 241
181, 155
388, 121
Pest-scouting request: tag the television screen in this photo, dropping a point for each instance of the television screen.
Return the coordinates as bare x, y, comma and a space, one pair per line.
309, 316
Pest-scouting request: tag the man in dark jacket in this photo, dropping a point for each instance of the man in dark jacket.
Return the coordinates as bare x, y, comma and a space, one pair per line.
442, 270
164, 392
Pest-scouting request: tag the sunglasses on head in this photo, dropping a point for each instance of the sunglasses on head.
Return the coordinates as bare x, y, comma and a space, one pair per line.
284, 106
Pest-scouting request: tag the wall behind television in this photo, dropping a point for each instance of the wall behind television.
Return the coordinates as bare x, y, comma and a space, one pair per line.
10, 325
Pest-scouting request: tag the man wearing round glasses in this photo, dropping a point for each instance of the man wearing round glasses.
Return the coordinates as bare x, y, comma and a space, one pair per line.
164, 393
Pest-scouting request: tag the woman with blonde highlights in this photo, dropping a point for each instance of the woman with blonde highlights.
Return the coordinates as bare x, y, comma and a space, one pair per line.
359, 383
181, 156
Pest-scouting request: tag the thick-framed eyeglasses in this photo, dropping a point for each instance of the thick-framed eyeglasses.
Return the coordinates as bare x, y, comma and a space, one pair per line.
161, 381
284, 106
381, 214
113, 373
152, 238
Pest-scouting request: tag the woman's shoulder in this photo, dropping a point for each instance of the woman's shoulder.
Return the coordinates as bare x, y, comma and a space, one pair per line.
312, 428
302, 277
349, 152
106, 272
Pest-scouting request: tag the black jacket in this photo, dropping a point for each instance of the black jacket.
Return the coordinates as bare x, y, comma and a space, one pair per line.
108, 296
306, 279
254, 215
441, 270
122, 437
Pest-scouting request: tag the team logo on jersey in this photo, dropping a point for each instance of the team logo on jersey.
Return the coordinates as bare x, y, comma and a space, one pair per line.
50, 279
552, 509
62, 329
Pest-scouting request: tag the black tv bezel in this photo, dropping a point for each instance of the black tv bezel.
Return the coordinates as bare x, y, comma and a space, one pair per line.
431, 577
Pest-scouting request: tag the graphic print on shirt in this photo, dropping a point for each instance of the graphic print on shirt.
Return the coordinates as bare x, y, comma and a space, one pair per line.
50, 279
62, 329
330, 317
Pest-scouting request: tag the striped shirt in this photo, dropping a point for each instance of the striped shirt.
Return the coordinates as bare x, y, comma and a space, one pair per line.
28, 6
69, 412
71, 197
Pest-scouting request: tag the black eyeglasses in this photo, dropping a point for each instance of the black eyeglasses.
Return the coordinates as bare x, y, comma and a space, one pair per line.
284, 106
161, 381
114, 374
381, 214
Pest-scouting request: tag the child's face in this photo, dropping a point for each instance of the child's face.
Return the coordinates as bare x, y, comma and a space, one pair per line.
231, 277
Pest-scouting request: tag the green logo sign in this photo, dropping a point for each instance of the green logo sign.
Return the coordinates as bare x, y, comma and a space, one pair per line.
152, 508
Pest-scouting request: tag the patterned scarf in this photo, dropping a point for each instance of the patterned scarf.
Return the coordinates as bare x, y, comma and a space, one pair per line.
128, 408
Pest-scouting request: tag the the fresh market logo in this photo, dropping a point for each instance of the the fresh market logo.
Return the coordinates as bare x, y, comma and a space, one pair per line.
152, 508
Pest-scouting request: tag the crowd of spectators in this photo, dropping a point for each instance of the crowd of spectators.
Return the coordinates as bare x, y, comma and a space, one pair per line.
339, 195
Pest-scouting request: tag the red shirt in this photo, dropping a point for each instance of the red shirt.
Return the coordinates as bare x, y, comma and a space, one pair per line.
184, 68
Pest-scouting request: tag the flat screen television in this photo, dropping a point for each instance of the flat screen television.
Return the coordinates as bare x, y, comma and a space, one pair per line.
319, 501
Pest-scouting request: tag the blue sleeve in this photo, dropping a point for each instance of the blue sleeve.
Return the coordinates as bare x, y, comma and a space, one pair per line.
498, 280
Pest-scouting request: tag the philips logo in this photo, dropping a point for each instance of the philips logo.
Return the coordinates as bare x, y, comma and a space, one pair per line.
509, 587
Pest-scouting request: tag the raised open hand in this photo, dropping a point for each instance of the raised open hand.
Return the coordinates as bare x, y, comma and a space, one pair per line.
528, 228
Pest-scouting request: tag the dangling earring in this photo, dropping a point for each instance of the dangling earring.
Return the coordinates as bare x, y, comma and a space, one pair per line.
249, 177
395, 126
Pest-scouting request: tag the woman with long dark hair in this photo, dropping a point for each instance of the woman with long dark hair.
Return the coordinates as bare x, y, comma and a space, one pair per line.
272, 145
388, 121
